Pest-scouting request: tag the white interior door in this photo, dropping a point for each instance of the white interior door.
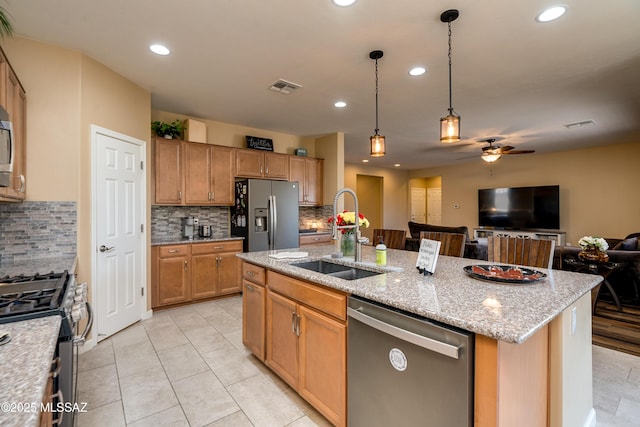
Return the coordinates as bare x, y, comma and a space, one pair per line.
118, 230
418, 205
434, 206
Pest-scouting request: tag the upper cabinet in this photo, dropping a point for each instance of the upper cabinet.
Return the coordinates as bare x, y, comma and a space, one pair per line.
308, 172
190, 173
168, 180
14, 99
208, 174
252, 163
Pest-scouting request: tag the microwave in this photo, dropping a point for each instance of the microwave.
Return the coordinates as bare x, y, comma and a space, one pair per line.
7, 149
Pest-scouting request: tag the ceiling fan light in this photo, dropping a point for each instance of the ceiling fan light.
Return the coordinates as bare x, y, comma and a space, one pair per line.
377, 145
490, 157
450, 128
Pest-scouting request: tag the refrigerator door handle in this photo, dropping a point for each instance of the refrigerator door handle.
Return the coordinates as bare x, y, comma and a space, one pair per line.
269, 222
274, 220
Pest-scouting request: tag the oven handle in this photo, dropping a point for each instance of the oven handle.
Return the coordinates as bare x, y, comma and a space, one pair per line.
82, 338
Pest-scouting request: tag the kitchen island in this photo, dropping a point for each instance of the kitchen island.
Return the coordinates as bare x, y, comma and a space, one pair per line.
532, 342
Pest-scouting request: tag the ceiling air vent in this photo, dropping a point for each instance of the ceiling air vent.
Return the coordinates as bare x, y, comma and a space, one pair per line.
284, 87
580, 124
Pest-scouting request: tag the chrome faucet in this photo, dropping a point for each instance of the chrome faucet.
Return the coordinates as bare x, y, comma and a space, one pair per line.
334, 235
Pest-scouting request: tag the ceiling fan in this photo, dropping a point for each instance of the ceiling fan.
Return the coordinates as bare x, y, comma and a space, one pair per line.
492, 152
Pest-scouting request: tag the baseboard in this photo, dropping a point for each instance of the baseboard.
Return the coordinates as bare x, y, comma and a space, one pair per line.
88, 345
147, 315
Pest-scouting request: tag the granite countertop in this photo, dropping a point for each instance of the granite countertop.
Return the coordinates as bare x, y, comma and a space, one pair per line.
183, 240
25, 363
38, 265
510, 313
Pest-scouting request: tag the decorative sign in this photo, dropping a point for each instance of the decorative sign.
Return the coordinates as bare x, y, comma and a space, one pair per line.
428, 256
256, 143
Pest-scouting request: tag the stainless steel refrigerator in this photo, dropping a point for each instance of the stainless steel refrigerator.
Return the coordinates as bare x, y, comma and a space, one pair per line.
265, 213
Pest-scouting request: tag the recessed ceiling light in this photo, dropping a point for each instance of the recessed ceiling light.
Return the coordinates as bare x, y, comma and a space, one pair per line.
365, 161
343, 3
340, 104
552, 13
397, 165
580, 124
159, 49
417, 71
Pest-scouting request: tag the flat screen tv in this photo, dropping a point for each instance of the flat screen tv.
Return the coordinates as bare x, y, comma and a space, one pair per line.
520, 207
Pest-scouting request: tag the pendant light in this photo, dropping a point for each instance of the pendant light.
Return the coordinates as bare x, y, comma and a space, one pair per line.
377, 141
450, 125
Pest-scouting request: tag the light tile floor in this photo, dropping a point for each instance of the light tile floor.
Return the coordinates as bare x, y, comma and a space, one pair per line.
187, 367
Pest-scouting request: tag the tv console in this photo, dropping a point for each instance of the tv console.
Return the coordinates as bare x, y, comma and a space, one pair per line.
558, 236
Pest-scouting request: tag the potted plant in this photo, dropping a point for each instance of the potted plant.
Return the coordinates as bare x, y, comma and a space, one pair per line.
167, 130
6, 27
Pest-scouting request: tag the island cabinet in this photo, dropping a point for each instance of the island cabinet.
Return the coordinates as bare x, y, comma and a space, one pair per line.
189, 272
306, 340
252, 163
208, 174
308, 172
253, 309
14, 100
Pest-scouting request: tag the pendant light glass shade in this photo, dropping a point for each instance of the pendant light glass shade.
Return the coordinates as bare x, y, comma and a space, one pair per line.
450, 125
377, 145
377, 141
450, 128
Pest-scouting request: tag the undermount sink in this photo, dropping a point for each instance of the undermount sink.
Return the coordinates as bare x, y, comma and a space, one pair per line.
340, 271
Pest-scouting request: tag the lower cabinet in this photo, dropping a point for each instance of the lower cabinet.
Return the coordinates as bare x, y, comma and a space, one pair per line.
189, 272
253, 309
306, 341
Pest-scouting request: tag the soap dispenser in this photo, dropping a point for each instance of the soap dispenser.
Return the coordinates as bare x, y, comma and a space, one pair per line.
381, 253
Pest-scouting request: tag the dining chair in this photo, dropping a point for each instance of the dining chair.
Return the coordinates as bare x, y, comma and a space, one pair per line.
521, 251
452, 244
393, 239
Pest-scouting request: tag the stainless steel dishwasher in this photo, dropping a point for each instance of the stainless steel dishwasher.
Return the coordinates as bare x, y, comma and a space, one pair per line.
405, 370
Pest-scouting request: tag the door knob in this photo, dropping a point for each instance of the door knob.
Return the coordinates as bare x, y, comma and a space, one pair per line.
104, 248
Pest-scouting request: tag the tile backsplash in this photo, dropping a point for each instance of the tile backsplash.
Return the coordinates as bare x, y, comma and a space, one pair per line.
314, 217
166, 221
34, 229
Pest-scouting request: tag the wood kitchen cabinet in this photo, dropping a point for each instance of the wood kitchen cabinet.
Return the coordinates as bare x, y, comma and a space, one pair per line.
253, 309
306, 342
170, 274
208, 174
308, 172
252, 163
189, 272
315, 239
167, 172
14, 100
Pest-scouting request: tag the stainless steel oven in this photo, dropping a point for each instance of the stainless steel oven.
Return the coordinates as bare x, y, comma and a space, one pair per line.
25, 297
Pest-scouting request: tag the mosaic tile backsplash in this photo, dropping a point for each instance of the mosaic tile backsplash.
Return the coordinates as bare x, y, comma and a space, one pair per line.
166, 221
37, 229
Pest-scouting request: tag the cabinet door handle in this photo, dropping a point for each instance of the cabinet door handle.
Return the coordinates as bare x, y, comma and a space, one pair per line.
179, 195
185, 265
218, 247
174, 251
293, 322
22, 183
213, 195
60, 397
251, 288
251, 273
297, 325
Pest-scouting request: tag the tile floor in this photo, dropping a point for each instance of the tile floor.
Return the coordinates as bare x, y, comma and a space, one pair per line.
187, 367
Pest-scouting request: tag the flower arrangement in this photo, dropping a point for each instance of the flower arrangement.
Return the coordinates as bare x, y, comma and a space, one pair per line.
349, 218
597, 243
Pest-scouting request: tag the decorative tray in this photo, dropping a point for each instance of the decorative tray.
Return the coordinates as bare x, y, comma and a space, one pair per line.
504, 273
